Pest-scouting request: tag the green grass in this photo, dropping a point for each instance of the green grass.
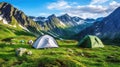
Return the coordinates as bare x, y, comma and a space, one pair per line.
7, 31
67, 55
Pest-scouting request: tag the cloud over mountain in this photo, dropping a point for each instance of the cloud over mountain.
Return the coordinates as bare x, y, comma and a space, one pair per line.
96, 8
59, 5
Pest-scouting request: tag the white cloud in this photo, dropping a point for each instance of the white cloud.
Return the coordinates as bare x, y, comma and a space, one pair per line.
87, 15
88, 11
98, 1
59, 5
93, 10
114, 4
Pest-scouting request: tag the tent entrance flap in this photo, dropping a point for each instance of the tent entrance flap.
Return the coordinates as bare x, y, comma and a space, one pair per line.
90, 41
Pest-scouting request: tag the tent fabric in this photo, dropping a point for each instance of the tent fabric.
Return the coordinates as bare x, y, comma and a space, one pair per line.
90, 41
45, 41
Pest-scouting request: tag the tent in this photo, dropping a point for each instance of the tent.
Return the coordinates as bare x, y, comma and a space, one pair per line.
45, 41
90, 41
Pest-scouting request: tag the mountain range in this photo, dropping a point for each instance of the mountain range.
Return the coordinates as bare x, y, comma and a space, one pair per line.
64, 26
66, 19
108, 28
60, 26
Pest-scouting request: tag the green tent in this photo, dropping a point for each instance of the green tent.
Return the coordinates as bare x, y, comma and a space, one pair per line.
90, 41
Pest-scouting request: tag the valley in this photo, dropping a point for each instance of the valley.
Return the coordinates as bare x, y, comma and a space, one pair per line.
17, 29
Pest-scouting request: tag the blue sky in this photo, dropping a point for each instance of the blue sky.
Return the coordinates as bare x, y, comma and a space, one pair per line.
81, 8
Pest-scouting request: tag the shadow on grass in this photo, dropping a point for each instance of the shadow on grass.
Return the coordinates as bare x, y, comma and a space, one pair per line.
23, 33
115, 42
16, 46
111, 43
7, 56
69, 46
10, 59
113, 59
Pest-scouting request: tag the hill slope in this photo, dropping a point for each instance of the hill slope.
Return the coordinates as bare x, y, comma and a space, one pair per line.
12, 34
11, 16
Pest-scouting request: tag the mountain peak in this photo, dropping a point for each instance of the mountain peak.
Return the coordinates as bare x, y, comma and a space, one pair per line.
4, 3
66, 15
109, 27
16, 18
114, 15
52, 16
117, 10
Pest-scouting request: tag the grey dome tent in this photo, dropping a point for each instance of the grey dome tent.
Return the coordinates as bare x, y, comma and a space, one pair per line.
90, 41
45, 41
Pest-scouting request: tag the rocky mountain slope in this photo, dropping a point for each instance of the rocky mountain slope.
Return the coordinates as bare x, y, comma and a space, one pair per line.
65, 19
13, 17
108, 28
62, 25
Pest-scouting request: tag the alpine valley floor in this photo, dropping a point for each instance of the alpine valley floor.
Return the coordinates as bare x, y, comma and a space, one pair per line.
67, 55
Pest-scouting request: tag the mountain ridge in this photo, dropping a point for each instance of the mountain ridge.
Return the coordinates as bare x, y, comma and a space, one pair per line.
107, 28
14, 17
62, 25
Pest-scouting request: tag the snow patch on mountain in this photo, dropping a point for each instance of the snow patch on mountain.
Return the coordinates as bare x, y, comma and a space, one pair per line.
3, 19
24, 28
80, 22
62, 23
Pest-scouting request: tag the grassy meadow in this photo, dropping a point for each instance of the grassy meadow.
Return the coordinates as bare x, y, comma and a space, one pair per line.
67, 55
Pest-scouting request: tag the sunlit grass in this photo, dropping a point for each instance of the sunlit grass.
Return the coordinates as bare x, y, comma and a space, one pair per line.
67, 55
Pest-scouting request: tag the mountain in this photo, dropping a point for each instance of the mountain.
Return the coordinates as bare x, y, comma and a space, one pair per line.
108, 28
99, 19
13, 17
53, 25
38, 19
68, 20
61, 25
90, 20
65, 19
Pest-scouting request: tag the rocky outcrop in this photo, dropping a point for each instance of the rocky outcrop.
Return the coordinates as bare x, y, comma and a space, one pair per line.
17, 18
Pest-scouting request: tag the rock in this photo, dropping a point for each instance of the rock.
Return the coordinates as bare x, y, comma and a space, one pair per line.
70, 50
22, 41
20, 51
82, 54
29, 52
30, 42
